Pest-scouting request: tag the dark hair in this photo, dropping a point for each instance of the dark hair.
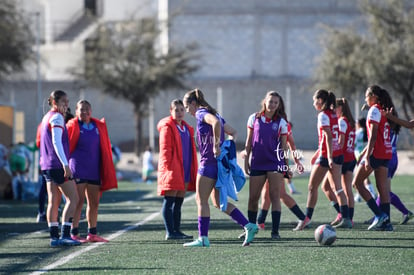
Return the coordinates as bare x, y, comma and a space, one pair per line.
197, 96
55, 96
362, 123
346, 111
385, 101
83, 101
280, 112
176, 102
328, 99
68, 115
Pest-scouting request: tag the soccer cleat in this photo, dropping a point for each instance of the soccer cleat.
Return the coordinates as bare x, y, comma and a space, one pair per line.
275, 236
369, 221
79, 238
67, 241
302, 224
172, 236
200, 242
337, 220
387, 227
251, 230
93, 238
407, 217
54, 242
182, 235
345, 223
242, 235
378, 222
261, 226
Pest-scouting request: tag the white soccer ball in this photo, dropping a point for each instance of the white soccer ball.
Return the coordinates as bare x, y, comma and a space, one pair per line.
325, 234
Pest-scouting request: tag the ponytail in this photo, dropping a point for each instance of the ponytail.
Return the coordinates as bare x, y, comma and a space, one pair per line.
198, 96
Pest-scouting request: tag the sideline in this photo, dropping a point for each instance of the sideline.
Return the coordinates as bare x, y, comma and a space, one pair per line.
71, 256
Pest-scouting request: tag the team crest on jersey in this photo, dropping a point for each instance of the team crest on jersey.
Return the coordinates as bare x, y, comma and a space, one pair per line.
275, 126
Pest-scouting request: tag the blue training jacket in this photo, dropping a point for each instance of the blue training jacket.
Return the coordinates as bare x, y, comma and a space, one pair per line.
231, 178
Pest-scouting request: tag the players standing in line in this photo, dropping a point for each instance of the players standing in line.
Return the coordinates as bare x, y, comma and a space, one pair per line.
376, 157
177, 167
327, 160
54, 155
211, 128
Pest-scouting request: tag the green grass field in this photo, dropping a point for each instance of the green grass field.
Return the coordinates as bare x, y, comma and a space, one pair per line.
130, 218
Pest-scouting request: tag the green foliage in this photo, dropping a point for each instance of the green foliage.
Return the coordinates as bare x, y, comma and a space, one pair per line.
124, 59
16, 39
383, 55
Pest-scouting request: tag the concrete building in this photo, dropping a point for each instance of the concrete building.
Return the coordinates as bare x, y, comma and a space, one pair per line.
248, 47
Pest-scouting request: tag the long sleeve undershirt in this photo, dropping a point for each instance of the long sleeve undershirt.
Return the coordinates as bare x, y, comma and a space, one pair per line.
57, 126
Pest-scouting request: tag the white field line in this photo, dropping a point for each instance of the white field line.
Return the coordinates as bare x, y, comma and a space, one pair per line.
73, 255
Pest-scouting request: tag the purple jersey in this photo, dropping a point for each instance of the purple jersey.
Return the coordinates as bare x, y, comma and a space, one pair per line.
205, 139
48, 156
267, 153
187, 154
85, 159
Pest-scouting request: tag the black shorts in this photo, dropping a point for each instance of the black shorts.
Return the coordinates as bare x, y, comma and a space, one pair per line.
348, 166
91, 182
54, 175
254, 173
324, 161
376, 163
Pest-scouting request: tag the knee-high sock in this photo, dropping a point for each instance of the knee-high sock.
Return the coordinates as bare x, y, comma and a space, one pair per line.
262, 216
177, 213
275, 221
344, 211
203, 225
54, 230
167, 213
238, 217
374, 207
298, 212
395, 200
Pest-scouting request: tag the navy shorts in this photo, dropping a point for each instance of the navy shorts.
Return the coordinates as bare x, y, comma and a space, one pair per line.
348, 166
54, 175
376, 163
324, 161
91, 182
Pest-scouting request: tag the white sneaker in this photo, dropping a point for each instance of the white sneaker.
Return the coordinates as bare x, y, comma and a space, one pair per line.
251, 230
302, 224
200, 242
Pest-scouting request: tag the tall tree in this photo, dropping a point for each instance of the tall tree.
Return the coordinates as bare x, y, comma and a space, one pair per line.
123, 59
16, 39
382, 55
